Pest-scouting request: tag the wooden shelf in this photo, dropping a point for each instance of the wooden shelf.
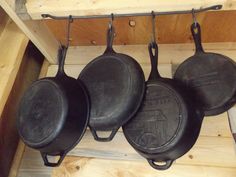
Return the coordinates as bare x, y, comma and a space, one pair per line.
105, 7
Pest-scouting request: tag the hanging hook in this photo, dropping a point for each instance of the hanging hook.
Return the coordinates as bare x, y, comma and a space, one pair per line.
111, 21
70, 20
153, 27
194, 17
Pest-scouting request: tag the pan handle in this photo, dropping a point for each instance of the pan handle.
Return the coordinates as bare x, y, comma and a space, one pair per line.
110, 38
53, 164
154, 61
167, 164
109, 138
196, 33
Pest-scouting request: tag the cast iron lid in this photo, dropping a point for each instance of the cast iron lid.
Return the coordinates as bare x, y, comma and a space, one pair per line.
161, 119
211, 76
158, 125
42, 113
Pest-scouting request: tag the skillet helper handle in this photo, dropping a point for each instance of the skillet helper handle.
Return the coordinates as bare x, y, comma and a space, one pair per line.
110, 38
109, 138
154, 74
196, 33
167, 164
52, 164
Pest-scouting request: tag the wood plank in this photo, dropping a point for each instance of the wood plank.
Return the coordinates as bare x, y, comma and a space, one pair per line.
208, 152
3, 20
232, 121
12, 44
105, 7
168, 53
36, 31
216, 26
27, 72
86, 167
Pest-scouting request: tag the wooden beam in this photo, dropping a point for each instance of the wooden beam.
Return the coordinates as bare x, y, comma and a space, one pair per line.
36, 31
86, 167
12, 45
232, 121
105, 7
28, 71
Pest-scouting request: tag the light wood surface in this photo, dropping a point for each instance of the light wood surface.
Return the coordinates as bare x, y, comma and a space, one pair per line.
100, 7
168, 53
87, 167
3, 20
232, 121
12, 45
216, 26
36, 31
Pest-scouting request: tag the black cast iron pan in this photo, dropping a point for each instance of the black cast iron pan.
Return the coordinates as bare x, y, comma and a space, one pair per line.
211, 76
53, 113
167, 123
116, 85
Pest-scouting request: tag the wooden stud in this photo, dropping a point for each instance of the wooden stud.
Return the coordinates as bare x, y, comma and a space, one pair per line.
36, 31
12, 45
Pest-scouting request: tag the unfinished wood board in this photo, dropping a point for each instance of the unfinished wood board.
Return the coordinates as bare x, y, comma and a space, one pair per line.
12, 45
36, 31
216, 26
26, 74
232, 120
3, 20
87, 167
208, 153
105, 7
168, 53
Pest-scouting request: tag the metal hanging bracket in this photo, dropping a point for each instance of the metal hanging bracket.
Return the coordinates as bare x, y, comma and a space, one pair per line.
194, 17
215, 7
153, 27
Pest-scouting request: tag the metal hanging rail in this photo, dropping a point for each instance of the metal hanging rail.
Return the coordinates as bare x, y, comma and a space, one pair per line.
215, 7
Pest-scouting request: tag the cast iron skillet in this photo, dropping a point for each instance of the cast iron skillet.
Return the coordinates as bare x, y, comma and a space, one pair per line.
167, 123
211, 76
53, 114
116, 86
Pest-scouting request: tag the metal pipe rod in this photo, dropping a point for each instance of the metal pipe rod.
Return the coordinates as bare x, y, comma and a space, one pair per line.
216, 7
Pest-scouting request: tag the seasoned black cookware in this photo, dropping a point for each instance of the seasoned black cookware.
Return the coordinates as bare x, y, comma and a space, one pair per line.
116, 87
211, 76
53, 114
167, 123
